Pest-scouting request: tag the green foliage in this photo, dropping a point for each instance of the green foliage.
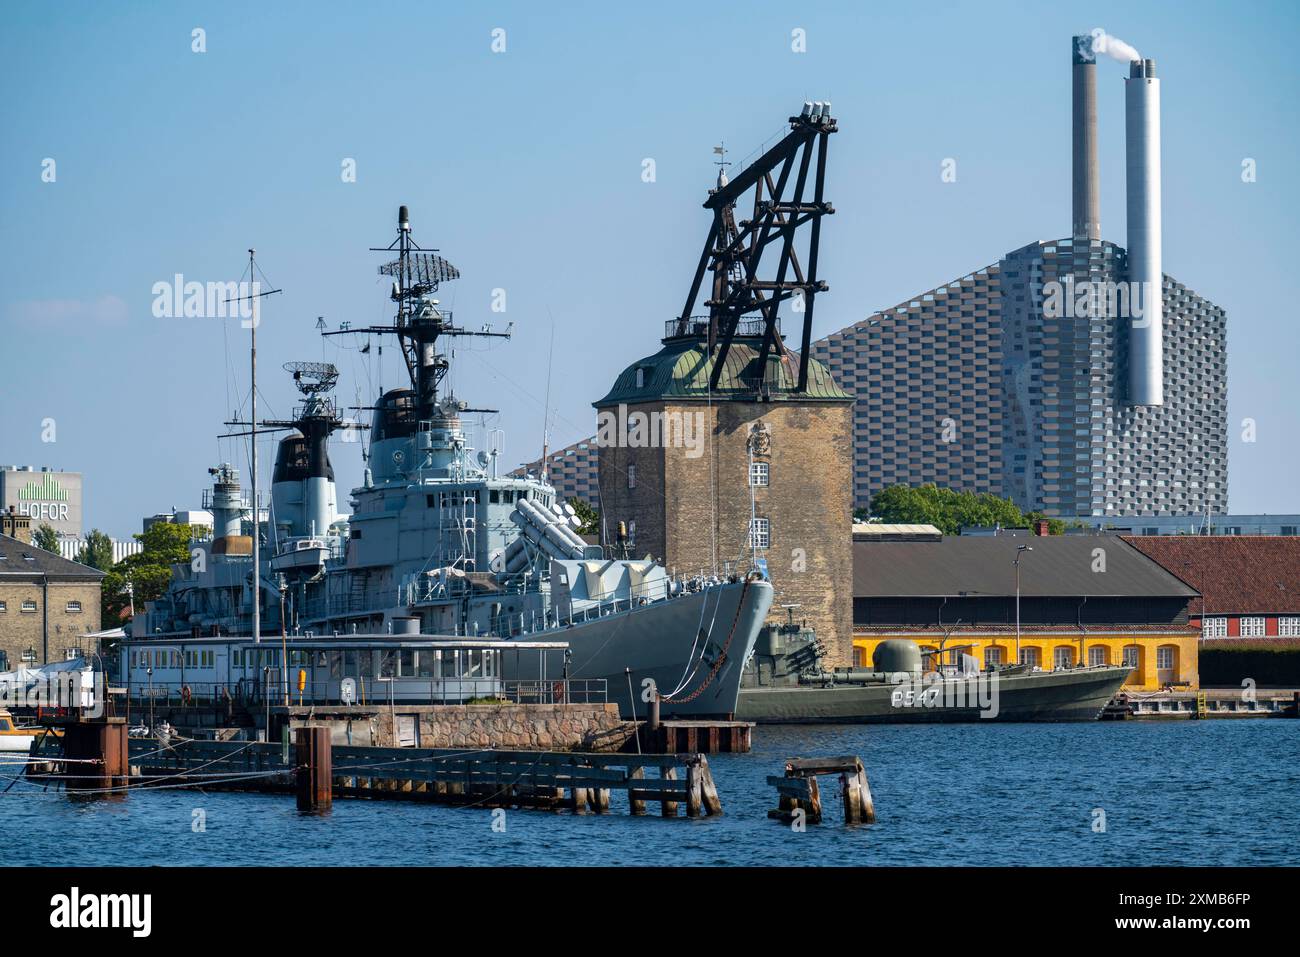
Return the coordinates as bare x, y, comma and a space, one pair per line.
945, 509
148, 571
589, 517
47, 538
97, 552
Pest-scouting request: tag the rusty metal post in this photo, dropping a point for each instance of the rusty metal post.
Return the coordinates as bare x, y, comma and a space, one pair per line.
315, 770
97, 753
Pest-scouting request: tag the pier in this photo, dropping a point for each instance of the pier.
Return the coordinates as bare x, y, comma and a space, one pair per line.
550, 780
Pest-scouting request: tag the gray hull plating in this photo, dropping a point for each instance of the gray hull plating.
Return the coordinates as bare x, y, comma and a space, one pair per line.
675, 644
1068, 695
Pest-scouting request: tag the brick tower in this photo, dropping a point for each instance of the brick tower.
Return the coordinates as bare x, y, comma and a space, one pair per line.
725, 451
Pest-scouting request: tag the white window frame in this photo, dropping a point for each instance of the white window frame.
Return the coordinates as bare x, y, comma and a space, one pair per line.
1215, 626
1031, 656
1096, 656
1133, 660
760, 533
1164, 652
760, 475
72, 608
1288, 626
992, 655
1062, 657
1253, 626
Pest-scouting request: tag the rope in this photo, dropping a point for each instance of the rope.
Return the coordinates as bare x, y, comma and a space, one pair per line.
717, 665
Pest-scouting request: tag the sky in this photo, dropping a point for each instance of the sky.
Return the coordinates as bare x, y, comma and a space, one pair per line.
517, 134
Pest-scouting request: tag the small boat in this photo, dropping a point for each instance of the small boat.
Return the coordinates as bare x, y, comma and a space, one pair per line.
16, 740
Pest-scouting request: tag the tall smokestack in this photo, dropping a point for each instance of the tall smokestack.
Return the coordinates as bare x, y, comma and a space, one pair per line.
1145, 272
1087, 201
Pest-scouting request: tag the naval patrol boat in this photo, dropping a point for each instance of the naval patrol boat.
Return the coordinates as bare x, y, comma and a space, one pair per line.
785, 683
440, 546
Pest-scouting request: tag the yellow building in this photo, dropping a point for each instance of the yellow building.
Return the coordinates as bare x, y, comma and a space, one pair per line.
1159, 658
1080, 600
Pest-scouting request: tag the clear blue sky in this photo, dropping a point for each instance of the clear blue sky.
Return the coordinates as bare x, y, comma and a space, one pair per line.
524, 167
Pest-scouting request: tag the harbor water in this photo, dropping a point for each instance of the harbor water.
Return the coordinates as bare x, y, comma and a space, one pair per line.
1216, 792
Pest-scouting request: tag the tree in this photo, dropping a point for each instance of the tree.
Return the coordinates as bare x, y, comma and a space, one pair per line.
589, 517
47, 538
97, 552
148, 571
945, 509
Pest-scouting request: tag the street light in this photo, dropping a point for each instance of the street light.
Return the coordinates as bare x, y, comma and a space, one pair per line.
1019, 549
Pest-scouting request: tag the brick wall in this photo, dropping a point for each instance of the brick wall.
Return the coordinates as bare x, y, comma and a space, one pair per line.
808, 503
20, 630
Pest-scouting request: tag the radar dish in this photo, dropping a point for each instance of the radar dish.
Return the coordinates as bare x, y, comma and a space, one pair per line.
426, 269
313, 378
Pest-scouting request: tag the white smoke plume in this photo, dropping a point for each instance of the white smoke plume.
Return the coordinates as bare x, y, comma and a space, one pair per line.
1112, 46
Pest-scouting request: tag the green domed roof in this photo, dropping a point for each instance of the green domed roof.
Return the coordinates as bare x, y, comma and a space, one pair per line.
681, 370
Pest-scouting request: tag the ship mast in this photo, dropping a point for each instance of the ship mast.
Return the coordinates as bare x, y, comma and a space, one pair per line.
416, 274
252, 298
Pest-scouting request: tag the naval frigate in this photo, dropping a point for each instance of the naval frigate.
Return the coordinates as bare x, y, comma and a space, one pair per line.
440, 544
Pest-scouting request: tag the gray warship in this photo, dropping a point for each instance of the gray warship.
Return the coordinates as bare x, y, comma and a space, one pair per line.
439, 544
785, 683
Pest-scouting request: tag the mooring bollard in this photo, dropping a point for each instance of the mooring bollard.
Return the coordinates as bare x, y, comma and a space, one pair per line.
315, 770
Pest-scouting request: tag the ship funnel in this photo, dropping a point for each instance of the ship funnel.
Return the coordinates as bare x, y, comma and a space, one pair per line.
1145, 270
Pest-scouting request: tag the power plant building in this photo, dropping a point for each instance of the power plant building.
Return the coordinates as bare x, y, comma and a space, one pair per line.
1054, 376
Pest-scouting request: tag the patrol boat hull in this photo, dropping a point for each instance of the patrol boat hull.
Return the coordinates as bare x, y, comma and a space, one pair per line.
1077, 694
690, 648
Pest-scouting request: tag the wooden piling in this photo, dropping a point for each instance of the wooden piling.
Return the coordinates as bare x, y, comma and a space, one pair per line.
635, 798
314, 770
668, 808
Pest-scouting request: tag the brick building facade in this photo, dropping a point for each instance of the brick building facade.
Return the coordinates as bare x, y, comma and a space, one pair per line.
47, 604
683, 466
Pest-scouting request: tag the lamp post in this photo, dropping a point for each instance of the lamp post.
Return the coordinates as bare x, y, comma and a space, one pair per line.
1019, 550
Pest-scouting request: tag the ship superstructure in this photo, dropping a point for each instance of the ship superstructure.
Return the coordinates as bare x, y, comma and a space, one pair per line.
438, 543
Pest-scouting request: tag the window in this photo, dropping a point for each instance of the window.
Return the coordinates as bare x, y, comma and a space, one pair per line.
1252, 627
1132, 656
1032, 657
759, 474
1063, 657
1288, 627
992, 656
640, 377
1165, 658
631, 475
760, 533
4, 606
1097, 656
1215, 627
71, 654
29, 606
73, 608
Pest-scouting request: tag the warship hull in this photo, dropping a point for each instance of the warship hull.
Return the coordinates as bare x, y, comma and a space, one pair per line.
1066, 695
675, 643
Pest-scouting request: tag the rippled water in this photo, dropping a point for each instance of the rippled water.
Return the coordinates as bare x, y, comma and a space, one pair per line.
1182, 792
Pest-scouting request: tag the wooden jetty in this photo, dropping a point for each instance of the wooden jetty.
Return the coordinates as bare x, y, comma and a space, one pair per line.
798, 790
698, 737
554, 780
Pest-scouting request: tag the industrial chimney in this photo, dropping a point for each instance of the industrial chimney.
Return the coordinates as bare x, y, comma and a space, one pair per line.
1146, 277
1087, 203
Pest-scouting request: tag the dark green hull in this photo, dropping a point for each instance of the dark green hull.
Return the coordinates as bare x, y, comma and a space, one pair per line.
1070, 695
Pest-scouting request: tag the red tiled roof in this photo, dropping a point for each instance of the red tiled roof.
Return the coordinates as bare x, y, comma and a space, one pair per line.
1238, 574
